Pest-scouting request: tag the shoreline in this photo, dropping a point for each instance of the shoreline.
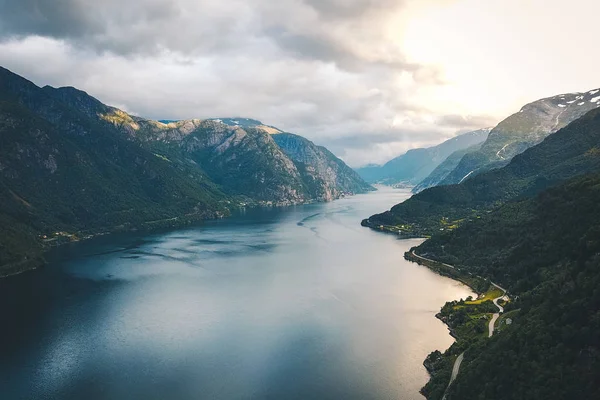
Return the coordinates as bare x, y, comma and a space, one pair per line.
437, 361
37, 259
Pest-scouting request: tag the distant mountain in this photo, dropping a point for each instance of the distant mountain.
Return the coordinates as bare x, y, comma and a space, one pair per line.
415, 165
326, 176
520, 131
440, 172
572, 151
71, 166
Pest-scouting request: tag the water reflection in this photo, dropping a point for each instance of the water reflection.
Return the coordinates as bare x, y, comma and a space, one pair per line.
293, 303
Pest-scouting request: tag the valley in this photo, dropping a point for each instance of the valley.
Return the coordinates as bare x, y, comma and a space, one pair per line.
69, 163
299, 199
284, 302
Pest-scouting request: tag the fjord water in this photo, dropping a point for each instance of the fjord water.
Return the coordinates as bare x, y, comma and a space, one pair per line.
293, 303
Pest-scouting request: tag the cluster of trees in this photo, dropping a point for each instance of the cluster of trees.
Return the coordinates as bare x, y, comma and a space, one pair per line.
546, 251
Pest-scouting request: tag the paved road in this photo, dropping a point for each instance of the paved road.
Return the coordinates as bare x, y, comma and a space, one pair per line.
500, 311
491, 326
427, 259
455, 370
456, 367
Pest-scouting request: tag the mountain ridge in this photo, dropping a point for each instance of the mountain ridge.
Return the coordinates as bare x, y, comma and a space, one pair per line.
72, 167
572, 151
529, 126
415, 165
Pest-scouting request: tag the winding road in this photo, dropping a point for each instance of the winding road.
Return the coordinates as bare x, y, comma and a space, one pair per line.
491, 326
500, 310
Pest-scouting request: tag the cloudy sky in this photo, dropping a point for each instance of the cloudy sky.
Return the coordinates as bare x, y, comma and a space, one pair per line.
367, 78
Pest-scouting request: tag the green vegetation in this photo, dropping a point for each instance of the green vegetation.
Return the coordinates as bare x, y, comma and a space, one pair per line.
325, 176
492, 293
58, 181
476, 283
546, 250
563, 155
69, 163
468, 321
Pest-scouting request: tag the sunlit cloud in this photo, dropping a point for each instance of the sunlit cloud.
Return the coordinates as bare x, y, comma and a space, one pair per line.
370, 79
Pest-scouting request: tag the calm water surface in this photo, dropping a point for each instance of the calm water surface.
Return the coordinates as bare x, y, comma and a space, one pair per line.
295, 303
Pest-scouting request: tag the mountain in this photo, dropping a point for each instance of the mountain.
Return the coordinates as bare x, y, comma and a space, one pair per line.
572, 151
546, 251
238, 154
437, 176
72, 167
520, 131
327, 176
415, 165
248, 123
64, 175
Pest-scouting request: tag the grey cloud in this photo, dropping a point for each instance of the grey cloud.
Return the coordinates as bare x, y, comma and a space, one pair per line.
467, 122
349, 8
338, 32
60, 18
289, 63
126, 27
361, 140
68, 19
312, 47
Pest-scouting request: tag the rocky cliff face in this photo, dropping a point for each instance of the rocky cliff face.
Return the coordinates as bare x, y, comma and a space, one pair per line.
246, 157
522, 130
246, 162
325, 175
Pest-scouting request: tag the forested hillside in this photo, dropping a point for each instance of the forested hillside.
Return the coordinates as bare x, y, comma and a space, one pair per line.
572, 151
72, 167
546, 252
64, 176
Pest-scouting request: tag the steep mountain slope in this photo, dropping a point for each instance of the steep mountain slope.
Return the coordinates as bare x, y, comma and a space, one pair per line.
242, 161
572, 151
61, 171
239, 154
545, 251
326, 176
71, 167
415, 165
520, 131
440, 172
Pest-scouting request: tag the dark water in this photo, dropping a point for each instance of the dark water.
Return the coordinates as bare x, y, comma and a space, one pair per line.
299, 303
